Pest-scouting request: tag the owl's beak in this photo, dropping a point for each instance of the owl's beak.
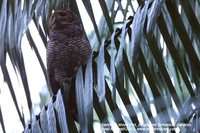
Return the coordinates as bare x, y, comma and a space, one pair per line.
53, 22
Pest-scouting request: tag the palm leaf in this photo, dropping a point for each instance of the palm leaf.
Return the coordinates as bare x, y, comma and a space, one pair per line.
151, 62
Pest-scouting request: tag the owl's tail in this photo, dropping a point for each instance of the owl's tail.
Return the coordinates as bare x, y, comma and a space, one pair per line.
69, 97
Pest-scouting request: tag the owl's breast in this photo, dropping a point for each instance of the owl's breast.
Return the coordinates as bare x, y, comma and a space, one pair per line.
67, 55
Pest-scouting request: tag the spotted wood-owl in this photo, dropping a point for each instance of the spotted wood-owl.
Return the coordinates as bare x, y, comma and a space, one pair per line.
68, 48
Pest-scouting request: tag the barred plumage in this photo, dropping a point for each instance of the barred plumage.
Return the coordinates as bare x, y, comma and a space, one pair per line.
68, 48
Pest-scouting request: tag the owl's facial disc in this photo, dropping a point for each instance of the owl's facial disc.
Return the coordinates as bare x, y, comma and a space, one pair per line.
60, 19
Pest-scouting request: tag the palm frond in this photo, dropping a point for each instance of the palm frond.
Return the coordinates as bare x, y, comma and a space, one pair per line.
2, 121
144, 69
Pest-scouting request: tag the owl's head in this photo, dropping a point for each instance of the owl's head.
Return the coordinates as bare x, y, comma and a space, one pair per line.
61, 19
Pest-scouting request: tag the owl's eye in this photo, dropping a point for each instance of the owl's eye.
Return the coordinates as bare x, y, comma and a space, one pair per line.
62, 14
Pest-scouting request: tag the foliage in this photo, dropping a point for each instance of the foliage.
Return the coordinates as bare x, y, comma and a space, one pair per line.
146, 71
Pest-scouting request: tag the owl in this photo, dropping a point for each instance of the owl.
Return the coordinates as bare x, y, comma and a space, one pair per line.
68, 48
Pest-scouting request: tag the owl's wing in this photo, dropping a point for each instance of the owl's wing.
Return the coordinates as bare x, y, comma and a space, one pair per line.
78, 50
71, 58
